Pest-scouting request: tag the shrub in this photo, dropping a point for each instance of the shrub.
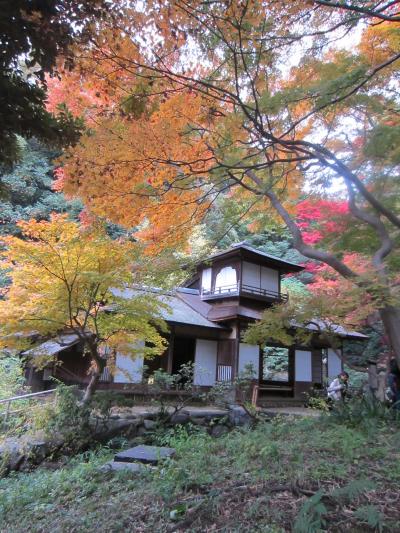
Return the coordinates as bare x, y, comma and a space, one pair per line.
311, 516
102, 403
12, 384
365, 412
66, 418
178, 435
11, 376
241, 386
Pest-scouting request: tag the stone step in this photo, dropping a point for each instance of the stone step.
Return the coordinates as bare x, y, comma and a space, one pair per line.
144, 454
264, 406
280, 402
118, 465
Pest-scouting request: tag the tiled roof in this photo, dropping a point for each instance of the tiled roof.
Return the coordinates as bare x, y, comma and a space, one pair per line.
178, 311
255, 252
53, 346
335, 329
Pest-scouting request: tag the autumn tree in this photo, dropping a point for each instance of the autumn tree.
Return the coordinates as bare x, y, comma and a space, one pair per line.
264, 102
65, 279
305, 318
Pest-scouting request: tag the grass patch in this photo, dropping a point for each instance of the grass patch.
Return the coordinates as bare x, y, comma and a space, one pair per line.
289, 475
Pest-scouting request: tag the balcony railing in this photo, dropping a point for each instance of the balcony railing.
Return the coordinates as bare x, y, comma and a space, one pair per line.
236, 289
222, 290
275, 295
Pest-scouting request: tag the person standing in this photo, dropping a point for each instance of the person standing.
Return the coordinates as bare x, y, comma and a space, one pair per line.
394, 384
338, 388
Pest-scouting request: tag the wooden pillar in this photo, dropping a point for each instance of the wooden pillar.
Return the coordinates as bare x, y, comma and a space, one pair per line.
235, 365
170, 350
316, 366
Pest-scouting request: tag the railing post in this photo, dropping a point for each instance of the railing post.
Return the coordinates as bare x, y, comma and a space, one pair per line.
255, 395
7, 411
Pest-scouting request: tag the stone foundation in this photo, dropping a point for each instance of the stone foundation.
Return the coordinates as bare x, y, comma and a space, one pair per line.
31, 450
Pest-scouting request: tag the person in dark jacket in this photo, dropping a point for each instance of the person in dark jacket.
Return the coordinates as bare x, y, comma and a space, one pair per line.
394, 384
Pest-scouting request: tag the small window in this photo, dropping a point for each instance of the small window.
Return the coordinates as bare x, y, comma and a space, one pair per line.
206, 280
275, 364
226, 280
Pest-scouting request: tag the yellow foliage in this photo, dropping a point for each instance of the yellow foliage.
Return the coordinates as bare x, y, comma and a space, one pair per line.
65, 278
380, 42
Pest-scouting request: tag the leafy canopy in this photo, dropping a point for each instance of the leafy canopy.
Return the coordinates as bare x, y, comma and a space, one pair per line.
304, 318
264, 102
190, 102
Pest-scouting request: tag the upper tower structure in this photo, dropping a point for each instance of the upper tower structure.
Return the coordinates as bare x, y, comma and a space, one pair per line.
242, 272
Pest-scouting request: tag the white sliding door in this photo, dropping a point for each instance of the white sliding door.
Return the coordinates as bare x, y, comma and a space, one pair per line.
205, 362
128, 370
206, 280
334, 364
251, 275
249, 354
303, 365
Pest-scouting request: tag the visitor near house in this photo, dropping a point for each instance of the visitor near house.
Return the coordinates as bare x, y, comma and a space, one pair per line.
337, 389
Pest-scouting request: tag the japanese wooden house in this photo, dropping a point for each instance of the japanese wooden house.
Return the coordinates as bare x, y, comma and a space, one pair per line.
206, 320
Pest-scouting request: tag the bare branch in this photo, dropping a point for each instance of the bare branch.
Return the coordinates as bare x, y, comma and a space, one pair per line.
374, 11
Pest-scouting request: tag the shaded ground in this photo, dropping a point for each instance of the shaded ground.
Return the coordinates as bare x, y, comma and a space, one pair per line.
302, 475
294, 411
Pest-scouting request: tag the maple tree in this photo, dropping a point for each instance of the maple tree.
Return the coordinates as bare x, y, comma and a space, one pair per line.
197, 100
304, 318
68, 279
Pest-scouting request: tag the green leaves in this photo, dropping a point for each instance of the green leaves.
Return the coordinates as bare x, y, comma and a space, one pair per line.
29, 191
311, 516
339, 86
383, 144
370, 515
303, 317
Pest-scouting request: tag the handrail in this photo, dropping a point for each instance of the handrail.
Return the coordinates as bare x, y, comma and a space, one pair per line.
8, 401
30, 395
222, 289
264, 292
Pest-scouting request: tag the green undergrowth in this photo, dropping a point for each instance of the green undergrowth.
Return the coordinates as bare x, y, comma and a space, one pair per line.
306, 476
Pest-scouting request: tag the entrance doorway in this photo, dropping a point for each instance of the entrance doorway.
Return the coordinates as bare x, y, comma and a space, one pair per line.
183, 353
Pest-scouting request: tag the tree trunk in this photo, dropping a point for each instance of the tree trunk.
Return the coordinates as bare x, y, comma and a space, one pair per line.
390, 316
99, 364
92, 385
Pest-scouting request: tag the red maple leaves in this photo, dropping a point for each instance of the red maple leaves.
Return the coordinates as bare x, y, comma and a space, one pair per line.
319, 218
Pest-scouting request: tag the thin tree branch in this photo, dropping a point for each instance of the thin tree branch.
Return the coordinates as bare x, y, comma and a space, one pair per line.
374, 13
